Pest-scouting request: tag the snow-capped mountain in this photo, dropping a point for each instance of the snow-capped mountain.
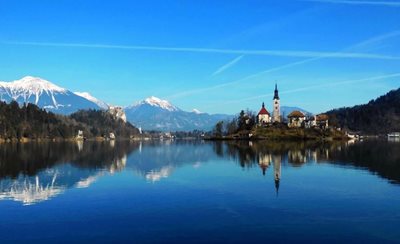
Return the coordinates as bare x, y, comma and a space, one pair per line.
91, 98
44, 94
156, 114
157, 102
196, 111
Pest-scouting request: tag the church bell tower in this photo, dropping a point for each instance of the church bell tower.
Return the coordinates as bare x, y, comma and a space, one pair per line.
276, 117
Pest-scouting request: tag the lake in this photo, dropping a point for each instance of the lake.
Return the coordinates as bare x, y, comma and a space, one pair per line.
200, 192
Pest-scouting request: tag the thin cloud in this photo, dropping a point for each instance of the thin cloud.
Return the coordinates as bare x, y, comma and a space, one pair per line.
279, 53
200, 90
227, 66
376, 39
377, 3
301, 89
370, 41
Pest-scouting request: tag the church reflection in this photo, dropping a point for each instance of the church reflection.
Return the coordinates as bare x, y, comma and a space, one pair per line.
265, 160
278, 155
35, 172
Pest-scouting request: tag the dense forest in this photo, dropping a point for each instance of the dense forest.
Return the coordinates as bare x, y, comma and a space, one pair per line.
379, 116
29, 121
101, 123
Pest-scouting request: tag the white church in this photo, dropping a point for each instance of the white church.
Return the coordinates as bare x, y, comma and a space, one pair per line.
264, 116
296, 119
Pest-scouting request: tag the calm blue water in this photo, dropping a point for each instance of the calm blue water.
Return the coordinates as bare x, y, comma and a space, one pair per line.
146, 192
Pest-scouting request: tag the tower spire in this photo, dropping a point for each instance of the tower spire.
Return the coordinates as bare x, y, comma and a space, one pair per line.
276, 95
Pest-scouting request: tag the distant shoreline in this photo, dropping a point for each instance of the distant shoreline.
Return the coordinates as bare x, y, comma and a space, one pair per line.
291, 134
23, 140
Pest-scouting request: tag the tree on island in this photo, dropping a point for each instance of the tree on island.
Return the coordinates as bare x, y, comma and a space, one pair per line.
218, 129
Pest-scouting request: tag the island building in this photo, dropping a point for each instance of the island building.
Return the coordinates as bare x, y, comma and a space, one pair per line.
276, 114
296, 119
263, 116
321, 121
317, 121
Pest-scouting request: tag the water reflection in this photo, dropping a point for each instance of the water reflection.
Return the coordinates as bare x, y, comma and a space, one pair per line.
157, 160
378, 157
35, 172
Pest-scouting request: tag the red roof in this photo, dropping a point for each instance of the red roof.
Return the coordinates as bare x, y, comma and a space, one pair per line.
296, 114
263, 111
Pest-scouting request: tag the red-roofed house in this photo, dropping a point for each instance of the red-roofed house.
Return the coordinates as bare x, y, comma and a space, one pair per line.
263, 116
296, 119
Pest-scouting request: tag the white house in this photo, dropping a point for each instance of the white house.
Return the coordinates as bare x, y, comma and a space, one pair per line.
320, 121
296, 119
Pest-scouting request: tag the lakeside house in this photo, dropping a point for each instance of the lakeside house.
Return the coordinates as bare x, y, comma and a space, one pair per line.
296, 119
321, 121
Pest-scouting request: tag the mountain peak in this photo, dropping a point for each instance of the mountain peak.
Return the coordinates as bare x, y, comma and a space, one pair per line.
33, 84
91, 98
44, 94
157, 102
196, 111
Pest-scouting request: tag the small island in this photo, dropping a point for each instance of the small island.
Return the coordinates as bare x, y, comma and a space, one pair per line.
297, 125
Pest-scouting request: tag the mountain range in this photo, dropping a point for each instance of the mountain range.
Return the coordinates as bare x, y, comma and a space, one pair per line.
45, 95
150, 114
156, 114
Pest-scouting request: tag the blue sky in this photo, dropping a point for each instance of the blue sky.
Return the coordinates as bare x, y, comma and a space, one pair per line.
216, 56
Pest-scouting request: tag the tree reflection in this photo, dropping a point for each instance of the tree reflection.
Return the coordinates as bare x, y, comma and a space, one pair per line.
378, 156
34, 172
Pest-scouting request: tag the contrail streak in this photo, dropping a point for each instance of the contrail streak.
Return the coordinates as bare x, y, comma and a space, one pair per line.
227, 66
318, 86
280, 53
358, 45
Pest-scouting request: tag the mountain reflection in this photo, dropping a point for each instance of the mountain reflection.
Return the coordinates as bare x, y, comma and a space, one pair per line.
34, 172
157, 160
